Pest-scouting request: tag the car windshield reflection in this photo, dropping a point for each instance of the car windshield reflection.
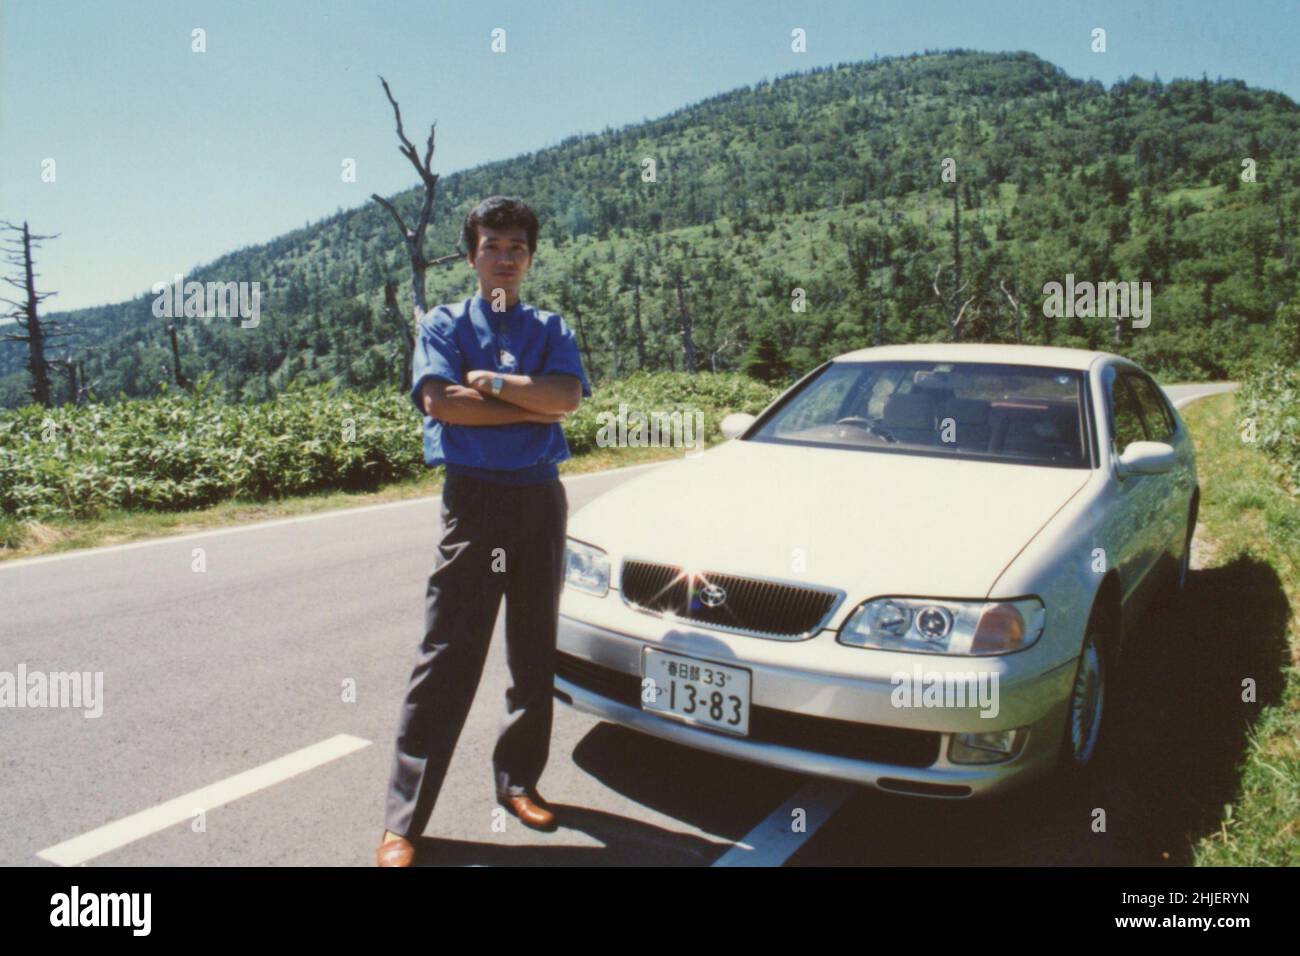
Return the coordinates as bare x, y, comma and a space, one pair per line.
1011, 413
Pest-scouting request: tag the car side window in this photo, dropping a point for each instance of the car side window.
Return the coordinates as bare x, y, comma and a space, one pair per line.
1126, 414
1160, 426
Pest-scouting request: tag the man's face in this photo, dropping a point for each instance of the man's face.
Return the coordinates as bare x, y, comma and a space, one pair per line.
501, 260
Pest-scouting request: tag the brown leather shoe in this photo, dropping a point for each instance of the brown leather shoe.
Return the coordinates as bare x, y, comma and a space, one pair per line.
398, 852
529, 813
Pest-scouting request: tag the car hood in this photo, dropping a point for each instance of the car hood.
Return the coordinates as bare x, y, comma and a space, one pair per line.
867, 522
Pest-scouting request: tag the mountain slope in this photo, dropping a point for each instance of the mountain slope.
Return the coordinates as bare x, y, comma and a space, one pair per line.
827, 181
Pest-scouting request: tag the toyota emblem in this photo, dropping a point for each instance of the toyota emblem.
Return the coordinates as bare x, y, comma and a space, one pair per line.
712, 596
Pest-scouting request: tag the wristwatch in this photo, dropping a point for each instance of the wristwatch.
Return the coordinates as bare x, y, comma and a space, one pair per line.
497, 384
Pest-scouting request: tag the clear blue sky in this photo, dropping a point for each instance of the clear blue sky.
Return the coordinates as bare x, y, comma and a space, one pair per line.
166, 158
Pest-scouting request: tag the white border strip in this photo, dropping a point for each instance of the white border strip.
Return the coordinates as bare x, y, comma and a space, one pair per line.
147, 822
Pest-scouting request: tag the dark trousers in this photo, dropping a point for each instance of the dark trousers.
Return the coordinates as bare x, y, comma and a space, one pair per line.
496, 540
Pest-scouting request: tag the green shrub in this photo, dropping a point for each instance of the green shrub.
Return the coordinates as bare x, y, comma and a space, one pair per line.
186, 450
1270, 406
715, 395
192, 449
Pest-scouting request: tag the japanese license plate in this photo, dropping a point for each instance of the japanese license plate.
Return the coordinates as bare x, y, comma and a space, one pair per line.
695, 691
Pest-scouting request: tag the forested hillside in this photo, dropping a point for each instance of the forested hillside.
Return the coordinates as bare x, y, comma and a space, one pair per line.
827, 181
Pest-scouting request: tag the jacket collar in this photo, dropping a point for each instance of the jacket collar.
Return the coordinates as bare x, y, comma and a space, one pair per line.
479, 311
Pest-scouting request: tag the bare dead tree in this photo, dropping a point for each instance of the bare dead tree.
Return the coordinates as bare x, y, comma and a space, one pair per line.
956, 256
36, 332
69, 368
713, 356
84, 386
1015, 308
407, 340
952, 300
413, 238
179, 376
956, 325
79, 387
688, 342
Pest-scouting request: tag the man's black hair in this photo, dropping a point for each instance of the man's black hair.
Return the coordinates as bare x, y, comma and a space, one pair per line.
499, 212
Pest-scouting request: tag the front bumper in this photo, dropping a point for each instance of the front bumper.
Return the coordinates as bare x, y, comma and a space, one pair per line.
817, 707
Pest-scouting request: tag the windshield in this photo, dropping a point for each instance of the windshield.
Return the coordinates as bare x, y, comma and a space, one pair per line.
963, 410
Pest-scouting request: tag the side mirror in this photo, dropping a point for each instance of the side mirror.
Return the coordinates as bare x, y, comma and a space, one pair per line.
1147, 458
736, 423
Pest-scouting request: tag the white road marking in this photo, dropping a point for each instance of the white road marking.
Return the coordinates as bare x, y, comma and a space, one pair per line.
774, 840
261, 525
147, 822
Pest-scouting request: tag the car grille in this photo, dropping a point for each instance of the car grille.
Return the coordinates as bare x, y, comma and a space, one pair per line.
825, 735
752, 605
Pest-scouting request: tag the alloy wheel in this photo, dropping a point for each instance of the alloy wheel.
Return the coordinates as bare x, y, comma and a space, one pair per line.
1087, 700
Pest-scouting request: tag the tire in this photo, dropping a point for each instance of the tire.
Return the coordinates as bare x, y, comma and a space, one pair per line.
1085, 719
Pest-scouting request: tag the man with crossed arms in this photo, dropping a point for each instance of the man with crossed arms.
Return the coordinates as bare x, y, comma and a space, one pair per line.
494, 377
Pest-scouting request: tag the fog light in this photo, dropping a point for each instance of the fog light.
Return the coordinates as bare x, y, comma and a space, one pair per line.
992, 747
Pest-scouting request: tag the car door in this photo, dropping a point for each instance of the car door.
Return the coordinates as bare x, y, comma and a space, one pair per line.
1139, 512
1175, 490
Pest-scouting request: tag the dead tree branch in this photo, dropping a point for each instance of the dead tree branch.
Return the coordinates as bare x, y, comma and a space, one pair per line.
1015, 307
36, 332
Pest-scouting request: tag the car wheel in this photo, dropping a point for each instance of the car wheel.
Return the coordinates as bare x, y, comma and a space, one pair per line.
1086, 713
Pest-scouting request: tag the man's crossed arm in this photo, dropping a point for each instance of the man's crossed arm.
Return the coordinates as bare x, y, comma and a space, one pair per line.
524, 398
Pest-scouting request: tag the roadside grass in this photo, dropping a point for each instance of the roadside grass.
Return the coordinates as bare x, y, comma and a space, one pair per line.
26, 539
1244, 619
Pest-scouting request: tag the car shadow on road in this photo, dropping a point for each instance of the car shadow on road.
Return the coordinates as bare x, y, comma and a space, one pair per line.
1177, 731
1184, 713
621, 841
718, 797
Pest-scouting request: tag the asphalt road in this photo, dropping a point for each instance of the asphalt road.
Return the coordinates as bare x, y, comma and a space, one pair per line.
248, 713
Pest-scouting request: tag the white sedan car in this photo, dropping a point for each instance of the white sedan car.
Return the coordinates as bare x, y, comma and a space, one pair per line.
917, 569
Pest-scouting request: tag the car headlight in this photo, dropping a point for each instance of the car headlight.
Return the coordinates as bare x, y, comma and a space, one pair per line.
586, 568
933, 626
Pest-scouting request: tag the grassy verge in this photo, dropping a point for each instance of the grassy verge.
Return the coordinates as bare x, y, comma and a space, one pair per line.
1250, 596
28, 539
